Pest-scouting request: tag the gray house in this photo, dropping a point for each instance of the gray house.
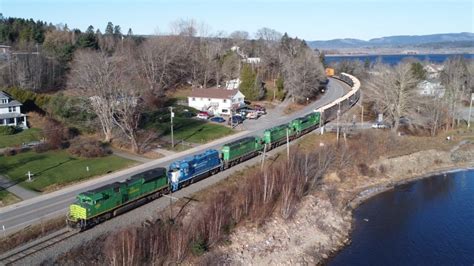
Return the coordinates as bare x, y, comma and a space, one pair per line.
10, 111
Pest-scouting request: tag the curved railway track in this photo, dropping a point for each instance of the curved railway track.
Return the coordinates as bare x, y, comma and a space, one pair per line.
12, 256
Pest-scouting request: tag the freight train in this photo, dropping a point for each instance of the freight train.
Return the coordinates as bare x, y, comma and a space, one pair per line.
100, 204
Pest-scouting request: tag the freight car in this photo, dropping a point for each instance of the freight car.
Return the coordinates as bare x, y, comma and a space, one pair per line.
100, 204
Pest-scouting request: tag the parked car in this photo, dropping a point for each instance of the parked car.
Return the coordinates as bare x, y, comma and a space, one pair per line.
203, 115
253, 115
259, 109
218, 119
236, 119
379, 125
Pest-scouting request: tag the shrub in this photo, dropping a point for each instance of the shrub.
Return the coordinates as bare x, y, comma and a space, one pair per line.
8, 130
88, 148
199, 247
43, 147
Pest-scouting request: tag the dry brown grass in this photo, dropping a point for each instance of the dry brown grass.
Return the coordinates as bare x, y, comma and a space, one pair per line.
31, 233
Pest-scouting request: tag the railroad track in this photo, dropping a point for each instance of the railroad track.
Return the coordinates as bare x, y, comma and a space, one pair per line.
10, 257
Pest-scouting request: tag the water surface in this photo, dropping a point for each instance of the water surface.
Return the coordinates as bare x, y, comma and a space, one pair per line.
427, 222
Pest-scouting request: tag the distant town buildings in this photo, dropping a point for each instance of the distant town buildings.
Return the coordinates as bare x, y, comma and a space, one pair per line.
216, 101
244, 57
10, 111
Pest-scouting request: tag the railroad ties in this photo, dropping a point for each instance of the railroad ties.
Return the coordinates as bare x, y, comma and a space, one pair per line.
31, 248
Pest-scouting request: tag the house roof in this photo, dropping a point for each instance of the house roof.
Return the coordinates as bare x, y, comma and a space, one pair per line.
213, 93
12, 102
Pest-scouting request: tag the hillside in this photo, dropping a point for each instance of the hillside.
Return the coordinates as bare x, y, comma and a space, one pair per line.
463, 39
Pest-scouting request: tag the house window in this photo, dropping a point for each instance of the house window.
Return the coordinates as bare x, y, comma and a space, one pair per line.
194, 99
12, 109
225, 100
225, 111
4, 100
208, 99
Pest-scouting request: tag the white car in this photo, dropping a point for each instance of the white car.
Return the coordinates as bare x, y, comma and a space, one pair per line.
379, 125
202, 116
252, 115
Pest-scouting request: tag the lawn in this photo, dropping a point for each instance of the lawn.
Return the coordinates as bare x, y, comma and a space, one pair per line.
192, 130
56, 168
24, 136
197, 131
7, 198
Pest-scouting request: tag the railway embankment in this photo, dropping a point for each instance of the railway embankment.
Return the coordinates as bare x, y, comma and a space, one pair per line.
323, 222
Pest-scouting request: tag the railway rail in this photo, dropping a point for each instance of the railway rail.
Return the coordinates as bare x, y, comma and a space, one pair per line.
12, 256
15, 255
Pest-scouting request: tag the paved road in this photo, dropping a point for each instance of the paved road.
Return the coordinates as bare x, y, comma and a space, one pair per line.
27, 212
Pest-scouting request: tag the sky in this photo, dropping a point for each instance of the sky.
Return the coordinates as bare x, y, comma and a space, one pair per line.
307, 19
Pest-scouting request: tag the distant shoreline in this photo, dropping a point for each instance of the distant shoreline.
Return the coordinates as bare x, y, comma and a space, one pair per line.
395, 54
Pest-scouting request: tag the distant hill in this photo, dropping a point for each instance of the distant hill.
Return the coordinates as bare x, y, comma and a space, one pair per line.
465, 39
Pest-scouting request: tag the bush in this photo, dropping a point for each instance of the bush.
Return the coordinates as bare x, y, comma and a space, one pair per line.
43, 147
88, 148
8, 130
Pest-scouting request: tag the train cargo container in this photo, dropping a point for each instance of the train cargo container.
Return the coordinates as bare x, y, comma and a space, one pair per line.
191, 169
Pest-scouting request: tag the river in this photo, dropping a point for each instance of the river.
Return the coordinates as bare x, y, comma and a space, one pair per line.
394, 59
426, 222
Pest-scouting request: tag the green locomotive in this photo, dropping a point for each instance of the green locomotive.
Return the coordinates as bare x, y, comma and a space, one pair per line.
97, 205
240, 150
305, 124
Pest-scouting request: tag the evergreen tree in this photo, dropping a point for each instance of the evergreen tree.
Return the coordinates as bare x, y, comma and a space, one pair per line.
109, 30
117, 30
418, 71
250, 85
90, 30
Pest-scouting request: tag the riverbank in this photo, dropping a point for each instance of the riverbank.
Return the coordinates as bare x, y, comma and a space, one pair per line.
323, 223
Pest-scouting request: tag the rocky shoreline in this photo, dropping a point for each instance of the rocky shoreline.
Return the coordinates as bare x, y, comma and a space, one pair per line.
321, 227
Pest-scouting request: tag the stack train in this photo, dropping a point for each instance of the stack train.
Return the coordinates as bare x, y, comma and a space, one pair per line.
100, 204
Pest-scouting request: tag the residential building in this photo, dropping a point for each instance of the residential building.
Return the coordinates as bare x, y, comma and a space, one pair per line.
429, 88
232, 84
10, 111
216, 101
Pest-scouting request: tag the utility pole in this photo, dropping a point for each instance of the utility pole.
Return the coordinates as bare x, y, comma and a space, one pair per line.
470, 111
263, 155
172, 136
288, 143
337, 124
321, 123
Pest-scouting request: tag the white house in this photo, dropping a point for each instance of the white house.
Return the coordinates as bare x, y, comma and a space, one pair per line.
428, 88
10, 111
216, 101
232, 84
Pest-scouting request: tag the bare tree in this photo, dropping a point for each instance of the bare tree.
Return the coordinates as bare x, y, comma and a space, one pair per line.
302, 75
394, 92
455, 79
97, 74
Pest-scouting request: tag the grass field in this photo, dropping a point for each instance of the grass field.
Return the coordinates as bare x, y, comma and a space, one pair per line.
54, 169
193, 130
7, 198
19, 138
